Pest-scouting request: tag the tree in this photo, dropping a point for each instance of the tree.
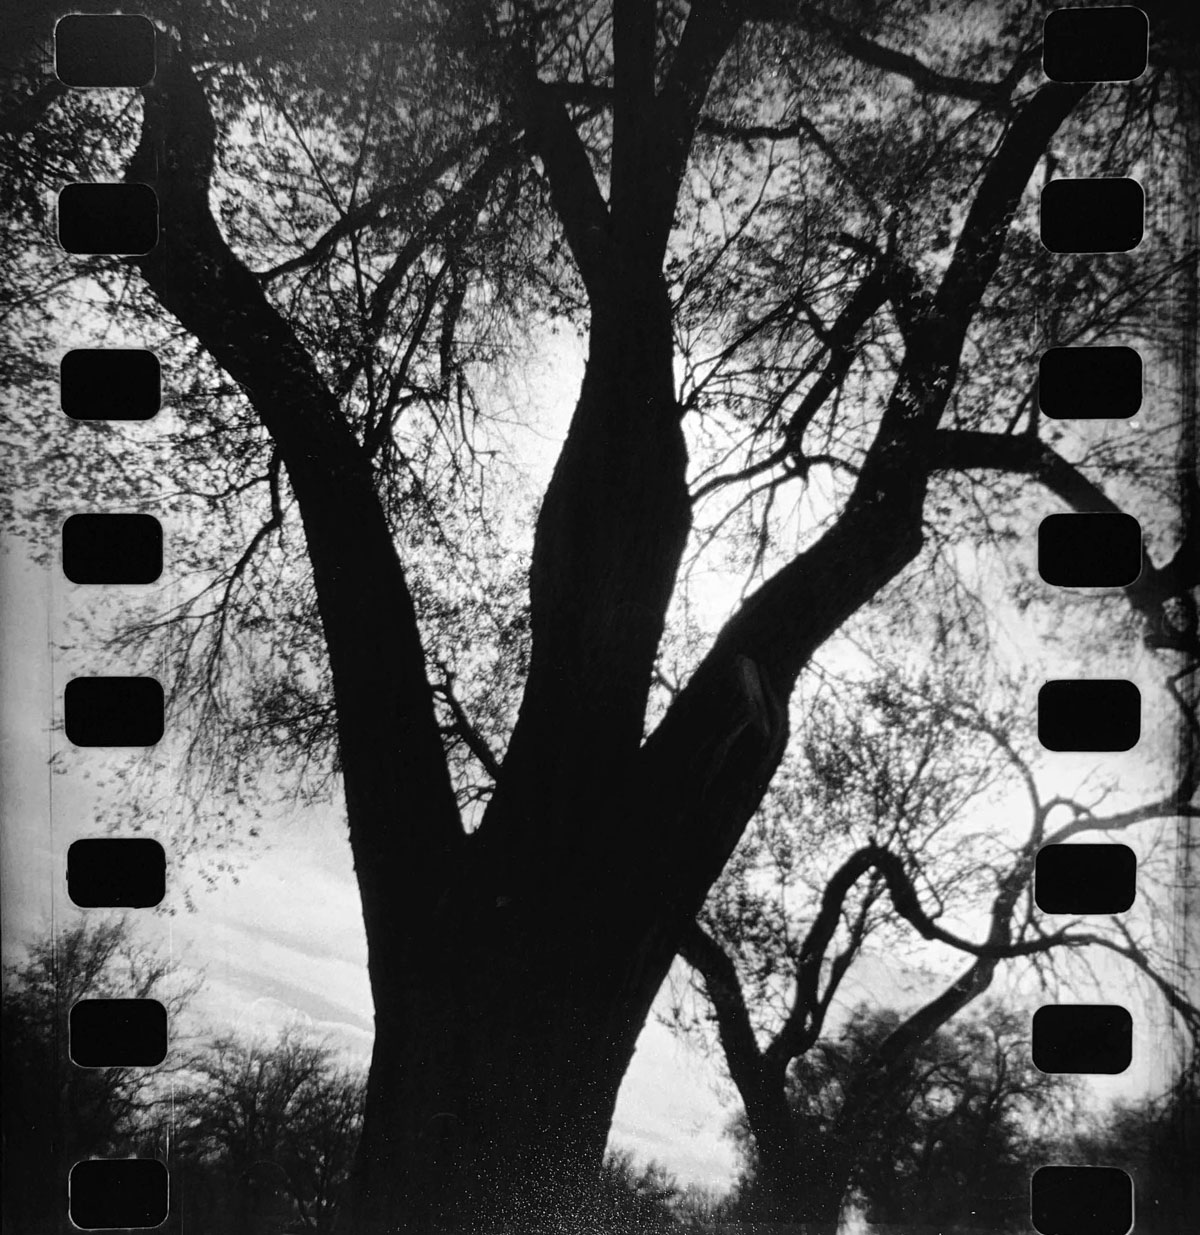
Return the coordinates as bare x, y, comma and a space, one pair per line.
265, 1135
1154, 1139
881, 818
55, 1112
955, 1138
420, 180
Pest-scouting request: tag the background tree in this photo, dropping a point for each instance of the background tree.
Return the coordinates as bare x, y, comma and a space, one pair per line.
349, 226
1156, 1141
56, 1113
882, 837
956, 1137
265, 1134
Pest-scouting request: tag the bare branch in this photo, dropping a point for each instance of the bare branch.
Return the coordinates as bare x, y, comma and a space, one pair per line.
474, 740
394, 195
1025, 454
410, 830
1174, 996
574, 192
928, 80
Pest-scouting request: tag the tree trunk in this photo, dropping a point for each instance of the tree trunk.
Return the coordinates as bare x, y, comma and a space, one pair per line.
506, 1019
499, 1053
798, 1179
511, 969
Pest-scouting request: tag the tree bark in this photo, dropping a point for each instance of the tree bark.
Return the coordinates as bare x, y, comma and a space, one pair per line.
492, 1084
505, 1025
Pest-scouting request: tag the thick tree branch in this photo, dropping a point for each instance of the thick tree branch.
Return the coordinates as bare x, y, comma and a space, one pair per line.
653, 133
803, 1024
699, 801
742, 1055
404, 827
982, 238
760, 1081
711, 28
593, 95
926, 79
1171, 807
578, 203
1026, 455
634, 122
840, 340
1156, 587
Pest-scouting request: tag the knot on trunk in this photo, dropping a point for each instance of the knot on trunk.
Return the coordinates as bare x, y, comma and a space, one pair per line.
756, 719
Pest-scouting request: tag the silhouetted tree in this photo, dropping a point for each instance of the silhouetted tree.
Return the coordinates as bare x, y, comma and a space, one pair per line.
265, 1135
872, 842
55, 1112
362, 206
950, 1141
